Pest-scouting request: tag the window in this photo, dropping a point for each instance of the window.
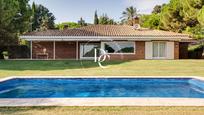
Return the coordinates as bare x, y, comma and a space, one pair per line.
159, 49
119, 47
88, 50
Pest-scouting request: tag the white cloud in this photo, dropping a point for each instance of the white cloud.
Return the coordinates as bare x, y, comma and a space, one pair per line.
144, 6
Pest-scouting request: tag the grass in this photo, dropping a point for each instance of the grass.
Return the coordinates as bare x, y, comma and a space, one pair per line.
103, 111
115, 68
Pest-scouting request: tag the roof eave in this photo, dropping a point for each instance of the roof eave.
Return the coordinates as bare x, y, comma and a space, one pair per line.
101, 38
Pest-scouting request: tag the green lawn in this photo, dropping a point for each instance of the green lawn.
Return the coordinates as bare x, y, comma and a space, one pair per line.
116, 68
103, 111
119, 68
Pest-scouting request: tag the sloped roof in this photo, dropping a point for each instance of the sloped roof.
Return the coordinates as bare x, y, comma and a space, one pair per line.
107, 30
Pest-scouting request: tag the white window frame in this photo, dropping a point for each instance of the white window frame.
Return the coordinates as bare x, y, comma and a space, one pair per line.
81, 53
103, 47
159, 50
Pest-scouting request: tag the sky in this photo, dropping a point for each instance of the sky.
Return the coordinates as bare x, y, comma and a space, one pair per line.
72, 10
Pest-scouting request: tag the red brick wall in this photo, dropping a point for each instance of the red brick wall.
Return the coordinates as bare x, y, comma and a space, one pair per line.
139, 53
176, 50
39, 46
65, 50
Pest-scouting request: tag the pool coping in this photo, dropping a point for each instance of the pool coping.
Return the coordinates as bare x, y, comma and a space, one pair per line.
13, 102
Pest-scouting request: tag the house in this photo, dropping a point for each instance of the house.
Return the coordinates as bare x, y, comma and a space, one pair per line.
121, 42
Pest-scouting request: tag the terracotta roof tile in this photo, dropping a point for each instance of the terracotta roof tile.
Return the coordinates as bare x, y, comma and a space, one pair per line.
107, 30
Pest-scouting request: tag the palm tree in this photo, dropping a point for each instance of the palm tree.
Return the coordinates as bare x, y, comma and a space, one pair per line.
129, 14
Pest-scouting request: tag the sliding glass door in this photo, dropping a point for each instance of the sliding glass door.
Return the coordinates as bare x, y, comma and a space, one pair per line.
159, 50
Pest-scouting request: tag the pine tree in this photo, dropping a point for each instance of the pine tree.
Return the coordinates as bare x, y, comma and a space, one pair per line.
14, 20
201, 16
96, 20
180, 14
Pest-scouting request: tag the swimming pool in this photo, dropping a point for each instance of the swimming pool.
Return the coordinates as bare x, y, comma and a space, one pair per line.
102, 87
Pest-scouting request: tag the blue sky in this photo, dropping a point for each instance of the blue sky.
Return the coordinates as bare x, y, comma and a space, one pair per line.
72, 10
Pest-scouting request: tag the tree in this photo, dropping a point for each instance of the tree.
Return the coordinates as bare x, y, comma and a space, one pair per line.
157, 9
190, 11
40, 15
44, 25
171, 18
67, 24
177, 15
201, 16
14, 20
82, 22
96, 20
22, 19
129, 14
112, 22
150, 21
105, 20
196, 32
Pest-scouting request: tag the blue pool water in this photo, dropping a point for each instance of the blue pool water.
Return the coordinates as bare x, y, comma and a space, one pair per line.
100, 87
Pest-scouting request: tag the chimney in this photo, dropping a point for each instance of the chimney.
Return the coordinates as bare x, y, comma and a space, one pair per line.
136, 20
136, 23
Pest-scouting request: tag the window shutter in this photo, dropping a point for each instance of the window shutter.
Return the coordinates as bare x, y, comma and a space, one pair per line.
148, 50
170, 50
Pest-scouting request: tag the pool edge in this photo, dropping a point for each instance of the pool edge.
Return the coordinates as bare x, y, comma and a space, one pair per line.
102, 102
12, 77
14, 102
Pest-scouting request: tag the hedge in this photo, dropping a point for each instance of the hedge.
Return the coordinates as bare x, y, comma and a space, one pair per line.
16, 52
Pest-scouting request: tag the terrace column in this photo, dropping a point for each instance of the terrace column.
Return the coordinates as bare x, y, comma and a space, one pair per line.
77, 50
54, 56
31, 50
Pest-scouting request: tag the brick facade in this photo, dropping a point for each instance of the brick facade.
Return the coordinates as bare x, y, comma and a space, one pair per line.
176, 50
65, 50
38, 49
